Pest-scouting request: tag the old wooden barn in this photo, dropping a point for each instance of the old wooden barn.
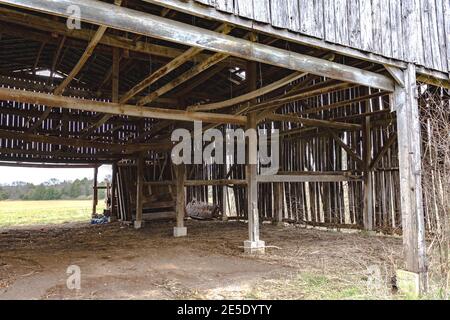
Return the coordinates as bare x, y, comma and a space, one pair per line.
337, 78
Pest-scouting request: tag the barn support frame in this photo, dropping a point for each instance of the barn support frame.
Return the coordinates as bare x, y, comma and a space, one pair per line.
407, 120
409, 141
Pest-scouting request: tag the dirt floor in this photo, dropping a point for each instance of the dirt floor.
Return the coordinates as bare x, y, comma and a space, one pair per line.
118, 262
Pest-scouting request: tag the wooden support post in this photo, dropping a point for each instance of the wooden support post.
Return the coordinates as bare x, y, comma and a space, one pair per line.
180, 230
115, 98
95, 192
139, 191
224, 190
278, 203
368, 191
114, 213
409, 146
253, 244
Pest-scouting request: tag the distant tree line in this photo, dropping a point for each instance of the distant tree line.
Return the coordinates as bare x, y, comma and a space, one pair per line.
51, 190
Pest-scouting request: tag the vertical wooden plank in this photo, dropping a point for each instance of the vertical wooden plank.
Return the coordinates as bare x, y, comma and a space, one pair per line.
279, 13
426, 36
416, 37
446, 5
140, 162
319, 18
436, 62
95, 192
368, 183
354, 23
366, 25
225, 5
386, 45
294, 15
340, 9
397, 40
261, 11
376, 26
307, 19
409, 143
114, 211
442, 33
244, 8
207, 2
329, 20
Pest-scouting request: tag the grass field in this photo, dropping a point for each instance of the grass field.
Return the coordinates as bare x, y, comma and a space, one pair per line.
22, 213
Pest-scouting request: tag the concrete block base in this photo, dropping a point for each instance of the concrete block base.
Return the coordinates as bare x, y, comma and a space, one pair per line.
179, 232
138, 224
254, 247
408, 283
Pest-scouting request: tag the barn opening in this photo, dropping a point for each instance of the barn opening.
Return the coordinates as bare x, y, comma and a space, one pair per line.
343, 93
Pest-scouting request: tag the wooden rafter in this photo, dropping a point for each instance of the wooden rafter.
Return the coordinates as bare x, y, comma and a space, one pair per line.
250, 95
155, 76
166, 69
197, 69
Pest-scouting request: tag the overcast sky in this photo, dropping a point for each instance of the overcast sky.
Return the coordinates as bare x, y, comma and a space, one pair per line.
37, 176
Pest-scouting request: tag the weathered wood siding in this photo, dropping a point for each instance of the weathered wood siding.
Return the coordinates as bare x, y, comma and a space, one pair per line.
409, 30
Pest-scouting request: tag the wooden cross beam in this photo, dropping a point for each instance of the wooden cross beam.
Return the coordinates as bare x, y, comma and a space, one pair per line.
80, 143
117, 108
162, 28
392, 139
352, 153
313, 122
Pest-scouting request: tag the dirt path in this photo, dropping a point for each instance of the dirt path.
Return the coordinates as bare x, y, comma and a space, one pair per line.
118, 262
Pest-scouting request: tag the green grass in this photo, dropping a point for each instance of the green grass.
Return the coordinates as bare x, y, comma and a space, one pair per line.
311, 286
23, 213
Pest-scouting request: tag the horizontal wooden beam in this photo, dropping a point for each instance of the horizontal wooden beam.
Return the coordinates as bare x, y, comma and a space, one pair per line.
306, 178
30, 137
313, 122
162, 28
116, 108
223, 182
80, 143
192, 183
107, 156
47, 165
